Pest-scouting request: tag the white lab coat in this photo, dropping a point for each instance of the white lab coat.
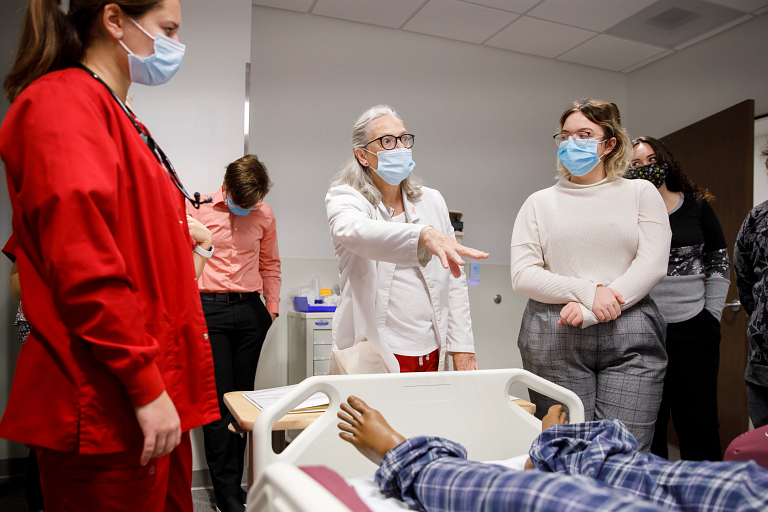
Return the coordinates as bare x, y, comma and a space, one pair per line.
368, 248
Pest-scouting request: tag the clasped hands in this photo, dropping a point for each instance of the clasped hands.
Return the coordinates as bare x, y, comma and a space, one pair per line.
606, 307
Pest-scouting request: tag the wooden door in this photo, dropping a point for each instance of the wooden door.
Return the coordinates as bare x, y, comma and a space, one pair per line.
718, 153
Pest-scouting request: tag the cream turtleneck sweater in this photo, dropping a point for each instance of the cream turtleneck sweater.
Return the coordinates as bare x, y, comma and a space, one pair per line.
570, 238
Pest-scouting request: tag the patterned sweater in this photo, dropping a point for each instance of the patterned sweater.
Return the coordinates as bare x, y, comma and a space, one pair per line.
697, 276
750, 259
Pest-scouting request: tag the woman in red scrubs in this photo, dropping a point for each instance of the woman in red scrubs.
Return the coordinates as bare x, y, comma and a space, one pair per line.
117, 368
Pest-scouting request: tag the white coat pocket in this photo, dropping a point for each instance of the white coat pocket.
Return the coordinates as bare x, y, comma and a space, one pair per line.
361, 358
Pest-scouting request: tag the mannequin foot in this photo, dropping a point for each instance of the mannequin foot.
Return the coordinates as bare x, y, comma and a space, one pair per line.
367, 430
555, 416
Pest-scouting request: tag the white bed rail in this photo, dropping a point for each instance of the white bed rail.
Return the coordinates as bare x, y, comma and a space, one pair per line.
284, 487
472, 408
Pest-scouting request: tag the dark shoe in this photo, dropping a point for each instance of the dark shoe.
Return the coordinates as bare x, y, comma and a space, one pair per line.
230, 504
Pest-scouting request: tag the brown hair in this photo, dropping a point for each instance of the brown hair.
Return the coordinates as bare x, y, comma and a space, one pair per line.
676, 179
607, 116
247, 181
52, 40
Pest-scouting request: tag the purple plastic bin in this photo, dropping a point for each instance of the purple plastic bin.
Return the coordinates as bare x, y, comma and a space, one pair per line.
301, 304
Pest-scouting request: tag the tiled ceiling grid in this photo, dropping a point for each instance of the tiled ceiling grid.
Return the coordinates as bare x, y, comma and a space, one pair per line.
618, 35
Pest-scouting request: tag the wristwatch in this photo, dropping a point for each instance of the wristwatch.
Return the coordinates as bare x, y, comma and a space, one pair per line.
202, 252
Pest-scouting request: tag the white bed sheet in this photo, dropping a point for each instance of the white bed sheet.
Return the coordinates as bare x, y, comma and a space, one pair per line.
377, 501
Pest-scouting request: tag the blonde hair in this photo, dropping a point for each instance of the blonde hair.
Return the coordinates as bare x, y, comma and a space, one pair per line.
607, 116
354, 174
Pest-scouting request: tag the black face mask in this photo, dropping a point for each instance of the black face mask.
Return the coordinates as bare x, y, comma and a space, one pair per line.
655, 173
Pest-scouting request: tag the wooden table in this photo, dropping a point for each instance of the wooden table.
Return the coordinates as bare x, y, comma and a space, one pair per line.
246, 413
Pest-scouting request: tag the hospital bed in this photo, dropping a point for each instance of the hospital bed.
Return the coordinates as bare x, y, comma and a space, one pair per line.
472, 408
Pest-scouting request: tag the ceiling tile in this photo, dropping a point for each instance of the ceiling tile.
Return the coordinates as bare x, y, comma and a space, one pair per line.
385, 13
670, 23
742, 5
459, 20
537, 37
612, 53
290, 5
595, 15
647, 61
517, 6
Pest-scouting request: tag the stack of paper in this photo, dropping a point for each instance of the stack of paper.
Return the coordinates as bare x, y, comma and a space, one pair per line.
263, 398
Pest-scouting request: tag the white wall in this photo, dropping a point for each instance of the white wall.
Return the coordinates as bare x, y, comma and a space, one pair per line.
198, 117
483, 120
700, 80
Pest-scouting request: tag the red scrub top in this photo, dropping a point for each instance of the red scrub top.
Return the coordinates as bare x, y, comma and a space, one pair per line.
107, 276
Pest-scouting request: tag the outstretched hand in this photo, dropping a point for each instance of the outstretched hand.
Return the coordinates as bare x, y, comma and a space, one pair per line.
449, 250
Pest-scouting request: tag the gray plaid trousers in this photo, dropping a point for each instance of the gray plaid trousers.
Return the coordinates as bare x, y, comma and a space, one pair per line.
616, 368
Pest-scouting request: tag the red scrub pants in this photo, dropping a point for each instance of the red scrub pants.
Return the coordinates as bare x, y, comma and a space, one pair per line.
426, 363
116, 481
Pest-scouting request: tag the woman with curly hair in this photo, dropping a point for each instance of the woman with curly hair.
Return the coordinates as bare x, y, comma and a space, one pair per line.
586, 252
691, 298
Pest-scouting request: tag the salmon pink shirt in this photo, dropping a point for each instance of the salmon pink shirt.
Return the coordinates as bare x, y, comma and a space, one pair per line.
246, 257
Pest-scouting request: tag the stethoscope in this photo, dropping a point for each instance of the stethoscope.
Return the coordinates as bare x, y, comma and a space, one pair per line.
152, 145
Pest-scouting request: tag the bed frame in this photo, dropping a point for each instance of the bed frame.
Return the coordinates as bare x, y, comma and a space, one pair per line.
472, 408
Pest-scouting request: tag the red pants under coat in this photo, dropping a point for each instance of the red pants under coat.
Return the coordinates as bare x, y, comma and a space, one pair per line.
116, 481
427, 363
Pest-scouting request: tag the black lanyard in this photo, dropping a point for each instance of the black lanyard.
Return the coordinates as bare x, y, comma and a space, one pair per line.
152, 145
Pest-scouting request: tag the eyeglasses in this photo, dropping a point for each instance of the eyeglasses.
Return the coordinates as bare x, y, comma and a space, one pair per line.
390, 141
580, 138
153, 147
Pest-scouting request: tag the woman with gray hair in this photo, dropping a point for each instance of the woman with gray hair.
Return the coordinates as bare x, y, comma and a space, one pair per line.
400, 310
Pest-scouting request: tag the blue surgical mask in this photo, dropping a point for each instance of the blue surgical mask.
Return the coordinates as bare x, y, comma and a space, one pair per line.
579, 160
236, 209
159, 67
394, 165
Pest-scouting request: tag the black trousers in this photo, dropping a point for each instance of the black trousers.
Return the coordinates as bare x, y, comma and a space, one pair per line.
237, 333
758, 404
32, 487
690, 389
